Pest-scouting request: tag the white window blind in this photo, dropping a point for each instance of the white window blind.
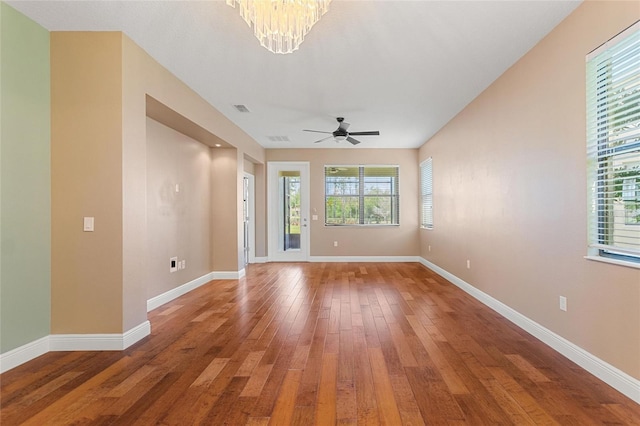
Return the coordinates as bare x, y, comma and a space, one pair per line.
361, 195
426, 191
613, 146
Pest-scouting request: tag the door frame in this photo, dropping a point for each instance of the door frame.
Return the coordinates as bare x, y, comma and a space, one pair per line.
273, 195
252, 217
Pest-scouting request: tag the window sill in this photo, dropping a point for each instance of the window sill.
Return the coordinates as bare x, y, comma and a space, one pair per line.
614, 261
364, 225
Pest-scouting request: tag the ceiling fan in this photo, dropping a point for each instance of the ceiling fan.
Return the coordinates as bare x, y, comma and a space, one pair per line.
341, 133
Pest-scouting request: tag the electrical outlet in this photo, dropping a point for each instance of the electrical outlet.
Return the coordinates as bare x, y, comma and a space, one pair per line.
335, 244
429, 248
173, 264
183, 264
468, 264
563, 303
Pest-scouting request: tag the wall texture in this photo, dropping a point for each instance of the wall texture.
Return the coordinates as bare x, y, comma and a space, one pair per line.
100, 83
399, 240
224, 211
142, 75
178, 221
509, 177
25, 194
260, 175
86, 180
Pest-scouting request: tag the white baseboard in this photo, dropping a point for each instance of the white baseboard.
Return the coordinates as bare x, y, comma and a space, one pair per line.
103, 342
24, 353
99, 342
611, 375
363, 258
228, 275
606, 372
168, 296
136, 334
259, 260
73, 342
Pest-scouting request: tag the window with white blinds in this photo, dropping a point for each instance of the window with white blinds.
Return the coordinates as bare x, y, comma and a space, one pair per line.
613, 147
426, 194
361, 195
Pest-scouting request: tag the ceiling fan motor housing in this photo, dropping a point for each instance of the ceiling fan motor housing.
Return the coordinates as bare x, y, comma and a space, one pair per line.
342, 133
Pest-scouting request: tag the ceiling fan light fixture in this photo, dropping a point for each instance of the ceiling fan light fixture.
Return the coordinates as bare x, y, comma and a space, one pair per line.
340, 138
281, 25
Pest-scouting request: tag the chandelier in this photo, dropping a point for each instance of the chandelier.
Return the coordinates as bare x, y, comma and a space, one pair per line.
280, 25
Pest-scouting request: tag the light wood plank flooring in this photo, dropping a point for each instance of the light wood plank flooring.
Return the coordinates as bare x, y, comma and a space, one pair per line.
317, 343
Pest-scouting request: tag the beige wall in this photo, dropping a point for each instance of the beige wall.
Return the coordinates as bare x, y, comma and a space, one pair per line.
249, 167
399, 240
178, 222
86, 180
224, 209
509, 177
143, 76
260, 174
100, 83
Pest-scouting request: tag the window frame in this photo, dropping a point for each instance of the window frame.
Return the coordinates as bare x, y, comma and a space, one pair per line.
609, 152
361, 195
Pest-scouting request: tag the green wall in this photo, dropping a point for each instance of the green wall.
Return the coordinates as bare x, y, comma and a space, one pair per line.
25, 180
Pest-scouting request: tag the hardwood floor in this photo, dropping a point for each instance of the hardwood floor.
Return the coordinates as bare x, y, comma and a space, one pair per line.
315, 343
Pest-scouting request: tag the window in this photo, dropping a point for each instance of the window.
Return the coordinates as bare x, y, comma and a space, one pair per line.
426, 194
613, 147
631, 200
361, 195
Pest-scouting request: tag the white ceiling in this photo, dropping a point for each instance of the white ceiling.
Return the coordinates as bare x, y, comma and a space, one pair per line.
402, 67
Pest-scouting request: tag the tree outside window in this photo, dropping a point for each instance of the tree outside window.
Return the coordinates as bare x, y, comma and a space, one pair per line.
361, 195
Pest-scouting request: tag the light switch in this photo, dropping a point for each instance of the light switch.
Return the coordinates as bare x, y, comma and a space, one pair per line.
314, 217
88, 224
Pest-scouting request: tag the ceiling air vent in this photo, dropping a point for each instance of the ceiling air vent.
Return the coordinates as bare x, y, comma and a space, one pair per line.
241, 108
279, 138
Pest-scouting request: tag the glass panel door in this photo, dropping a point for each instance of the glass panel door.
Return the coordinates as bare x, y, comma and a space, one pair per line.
291, 212
288, 207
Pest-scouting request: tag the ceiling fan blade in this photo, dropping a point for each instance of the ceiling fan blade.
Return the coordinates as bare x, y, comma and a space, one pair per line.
324, 139
372, 133
317, 131
344, 126
352, 140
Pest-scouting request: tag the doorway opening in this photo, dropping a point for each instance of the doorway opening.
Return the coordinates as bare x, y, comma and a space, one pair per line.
288, 207
248, 213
